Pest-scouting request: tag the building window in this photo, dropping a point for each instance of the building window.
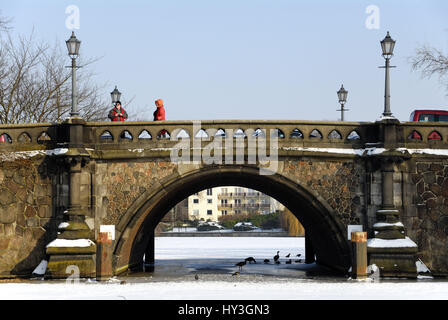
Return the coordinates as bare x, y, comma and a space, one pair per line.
195, 200
209, 212
209, 192
237, 201
209, 200
224, 212
237, 211
224, 190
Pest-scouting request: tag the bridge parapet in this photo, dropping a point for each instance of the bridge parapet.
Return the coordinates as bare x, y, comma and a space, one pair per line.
33, 136
304, 133
128, 135
416, 134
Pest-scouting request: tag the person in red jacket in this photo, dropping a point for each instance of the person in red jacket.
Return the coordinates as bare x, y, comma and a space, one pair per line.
159, 114
117, 113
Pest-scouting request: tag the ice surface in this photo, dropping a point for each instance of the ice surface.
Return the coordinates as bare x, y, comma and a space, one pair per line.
41, 268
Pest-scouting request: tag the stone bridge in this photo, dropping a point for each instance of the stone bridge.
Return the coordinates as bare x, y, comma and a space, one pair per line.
60, 182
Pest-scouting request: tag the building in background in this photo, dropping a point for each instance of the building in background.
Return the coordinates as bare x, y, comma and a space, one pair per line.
203, 205
212, 203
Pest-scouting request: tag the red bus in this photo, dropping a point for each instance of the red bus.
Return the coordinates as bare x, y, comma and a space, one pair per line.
429, 116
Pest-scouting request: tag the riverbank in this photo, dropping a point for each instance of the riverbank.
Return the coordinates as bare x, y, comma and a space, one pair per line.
192, 232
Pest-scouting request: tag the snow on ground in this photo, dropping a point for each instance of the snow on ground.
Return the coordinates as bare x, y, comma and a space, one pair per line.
243, 287
236, 290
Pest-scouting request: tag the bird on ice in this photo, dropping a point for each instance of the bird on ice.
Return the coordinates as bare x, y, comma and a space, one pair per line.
276, 256
240, 264
250, 260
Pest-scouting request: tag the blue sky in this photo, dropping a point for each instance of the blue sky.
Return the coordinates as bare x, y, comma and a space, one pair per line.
249, 59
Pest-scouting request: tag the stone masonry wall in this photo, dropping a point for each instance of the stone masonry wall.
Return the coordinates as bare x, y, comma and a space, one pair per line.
429, 227
25, 215
340, 183
117, 185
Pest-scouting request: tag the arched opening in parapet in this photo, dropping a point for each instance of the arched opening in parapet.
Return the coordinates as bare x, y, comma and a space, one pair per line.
324, 229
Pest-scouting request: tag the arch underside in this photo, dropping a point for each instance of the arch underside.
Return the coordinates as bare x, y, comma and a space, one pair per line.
322, 225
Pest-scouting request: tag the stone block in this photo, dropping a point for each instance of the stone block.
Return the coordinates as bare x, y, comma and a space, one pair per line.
20, 231
32, 222
8, 214
6, 197
9, 229
44, 212
4, 243
43, 201
430, 177
436, 167
422, 167
85, 178
30, 211
18, 178
71, 267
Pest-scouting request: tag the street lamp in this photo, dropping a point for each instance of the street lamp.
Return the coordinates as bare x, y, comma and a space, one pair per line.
115, 95
342, 96
387, 46
73, 45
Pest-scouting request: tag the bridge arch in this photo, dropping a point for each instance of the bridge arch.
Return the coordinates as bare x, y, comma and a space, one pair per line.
323, 226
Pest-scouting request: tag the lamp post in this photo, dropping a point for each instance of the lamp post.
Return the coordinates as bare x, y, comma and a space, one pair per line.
73, 51
115, 95
387, 46
342, 96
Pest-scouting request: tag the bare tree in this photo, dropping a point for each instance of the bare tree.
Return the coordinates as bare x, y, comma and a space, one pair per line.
431, 61
35, 85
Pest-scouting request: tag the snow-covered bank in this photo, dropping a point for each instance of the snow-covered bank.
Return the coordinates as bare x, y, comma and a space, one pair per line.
237, 290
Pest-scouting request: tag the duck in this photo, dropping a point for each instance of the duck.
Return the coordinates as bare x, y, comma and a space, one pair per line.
236, 273
266, 260
288, 262
287, 256
250, 260
240, 264
298, 255
276, 256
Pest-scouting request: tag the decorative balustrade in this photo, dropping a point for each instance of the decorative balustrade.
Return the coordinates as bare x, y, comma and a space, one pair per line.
163, 135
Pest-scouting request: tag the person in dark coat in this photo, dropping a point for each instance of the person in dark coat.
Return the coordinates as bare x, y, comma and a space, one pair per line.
118, 113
